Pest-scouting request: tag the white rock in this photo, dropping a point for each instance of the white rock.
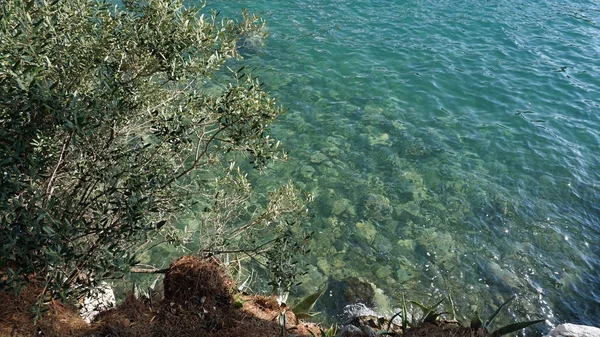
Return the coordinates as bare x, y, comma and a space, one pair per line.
358, 310
99, 299
574, 330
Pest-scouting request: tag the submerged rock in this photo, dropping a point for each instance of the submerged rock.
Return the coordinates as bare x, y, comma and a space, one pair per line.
318, 158
381, 139
406, 246
307, 171
384, 272
313, 280
332, 151
504, 277
358, 291
323, 265
377, 207
353, 290
440, 247
340, 206
383, 245
366, 231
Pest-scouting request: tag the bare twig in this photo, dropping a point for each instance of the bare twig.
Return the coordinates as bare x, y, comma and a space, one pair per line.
198, 155
49, 188
149, 270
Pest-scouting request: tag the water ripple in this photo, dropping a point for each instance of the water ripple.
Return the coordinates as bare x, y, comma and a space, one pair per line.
476, 122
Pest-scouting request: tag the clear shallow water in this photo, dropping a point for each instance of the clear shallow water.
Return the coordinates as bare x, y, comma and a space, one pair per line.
452, 147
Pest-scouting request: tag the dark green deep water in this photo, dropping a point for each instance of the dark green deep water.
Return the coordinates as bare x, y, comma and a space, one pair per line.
453, 147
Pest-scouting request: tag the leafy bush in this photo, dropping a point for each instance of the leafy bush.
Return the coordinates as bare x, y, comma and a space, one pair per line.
111, 119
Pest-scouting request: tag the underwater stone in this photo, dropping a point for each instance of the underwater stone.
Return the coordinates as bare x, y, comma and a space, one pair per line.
332, 151
366, 230
503, 276
328, 171
398, 125
339, 263
383, 244
420, 191
322, 103
384, 272
377, 207
391, 226
402, 275
312, 280
307, 171
369, 109
406, 245
318, 158
340, 206
335, 229
358, 291
323, 265
381, 139
339, 245
409, 211
382, 302
440, 245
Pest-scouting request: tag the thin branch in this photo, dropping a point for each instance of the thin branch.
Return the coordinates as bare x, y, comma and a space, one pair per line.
256, 250
250, 224
49, 188
197, 158
149, 270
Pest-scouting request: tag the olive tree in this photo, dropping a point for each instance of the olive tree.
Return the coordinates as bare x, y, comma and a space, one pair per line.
114, 119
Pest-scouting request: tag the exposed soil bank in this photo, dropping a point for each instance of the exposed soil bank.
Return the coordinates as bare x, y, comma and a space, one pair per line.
199, 301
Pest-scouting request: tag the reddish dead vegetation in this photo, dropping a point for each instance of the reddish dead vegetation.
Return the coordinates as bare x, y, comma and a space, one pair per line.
199, 301
16, 318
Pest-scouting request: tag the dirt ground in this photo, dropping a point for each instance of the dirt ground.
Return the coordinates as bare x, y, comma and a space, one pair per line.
199, 301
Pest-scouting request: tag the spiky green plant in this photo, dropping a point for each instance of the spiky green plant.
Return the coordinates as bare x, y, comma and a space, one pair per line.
430, 314
304, 308
476, 322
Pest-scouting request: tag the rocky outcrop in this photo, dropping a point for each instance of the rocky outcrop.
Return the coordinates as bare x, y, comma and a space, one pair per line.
98, 300
574, 330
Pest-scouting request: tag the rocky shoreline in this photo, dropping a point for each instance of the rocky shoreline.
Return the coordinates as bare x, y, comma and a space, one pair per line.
199, 299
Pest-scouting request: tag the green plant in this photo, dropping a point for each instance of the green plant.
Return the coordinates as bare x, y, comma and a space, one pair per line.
404, 313
331, 332
114, 122
283, 263
476, 322
430, 315
304, 308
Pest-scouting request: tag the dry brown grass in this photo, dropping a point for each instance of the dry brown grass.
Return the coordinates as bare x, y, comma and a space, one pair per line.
198, 302
16, 317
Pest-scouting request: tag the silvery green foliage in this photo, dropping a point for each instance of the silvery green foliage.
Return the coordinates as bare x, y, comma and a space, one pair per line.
105, 113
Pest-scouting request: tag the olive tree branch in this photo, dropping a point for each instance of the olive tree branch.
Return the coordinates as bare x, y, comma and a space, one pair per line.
197, 156
49, 188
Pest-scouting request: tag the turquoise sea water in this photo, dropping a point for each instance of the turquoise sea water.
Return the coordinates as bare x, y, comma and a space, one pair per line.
453, 147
